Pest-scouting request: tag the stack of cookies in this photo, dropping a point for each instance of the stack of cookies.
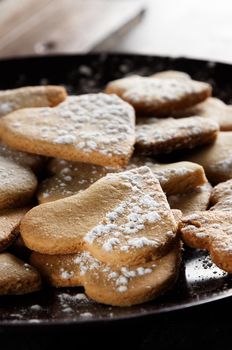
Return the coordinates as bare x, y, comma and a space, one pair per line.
97, 190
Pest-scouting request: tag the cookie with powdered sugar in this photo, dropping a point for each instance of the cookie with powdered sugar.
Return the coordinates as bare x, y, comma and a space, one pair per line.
221, 196
120, 86
107, 284
31, 96
69, 270
212, 108
193, 200
158, 136
17, 277
122, 217
174, 178
210, 230
17, 184
9, 225
215, 158
158, 95
70, 178
92, 128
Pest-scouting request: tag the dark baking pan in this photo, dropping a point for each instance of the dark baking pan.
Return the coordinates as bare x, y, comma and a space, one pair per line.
200, 281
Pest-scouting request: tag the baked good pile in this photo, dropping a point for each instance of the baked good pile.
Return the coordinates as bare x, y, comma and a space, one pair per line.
100, 190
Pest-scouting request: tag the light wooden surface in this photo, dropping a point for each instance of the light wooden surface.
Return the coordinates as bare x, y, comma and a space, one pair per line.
30, 27
192, 28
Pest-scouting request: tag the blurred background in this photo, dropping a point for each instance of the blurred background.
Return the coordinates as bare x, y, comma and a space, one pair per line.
192, 28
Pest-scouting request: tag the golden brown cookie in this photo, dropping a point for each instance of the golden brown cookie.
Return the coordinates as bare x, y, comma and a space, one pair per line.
122, 217
211, 230
17, 277
92, 128
159, 96
174, 178
157, 136
70, 178
32, 161
30, 96
120, 86
211, 108
221, 196
69, 270
119, 286
9, 225
135, 285
17, 184
215, 158
196, 199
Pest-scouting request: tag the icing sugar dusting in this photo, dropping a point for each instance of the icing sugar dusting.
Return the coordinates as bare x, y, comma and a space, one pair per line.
92, 122
124, 227
164, 174
172, 133
66, 274
119, 278
65, 139
158, 92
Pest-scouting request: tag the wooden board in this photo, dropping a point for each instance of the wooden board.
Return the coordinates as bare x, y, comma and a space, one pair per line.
33, 27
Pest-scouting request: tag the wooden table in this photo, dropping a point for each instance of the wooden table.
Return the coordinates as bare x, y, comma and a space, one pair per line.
29, 27
192, 28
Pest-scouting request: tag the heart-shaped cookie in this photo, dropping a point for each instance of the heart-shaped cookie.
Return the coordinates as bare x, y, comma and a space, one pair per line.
158, 136
120, 286
159, 96
120, 86
122, 217
92, 128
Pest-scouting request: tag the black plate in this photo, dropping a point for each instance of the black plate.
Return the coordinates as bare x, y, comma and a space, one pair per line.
200, 281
